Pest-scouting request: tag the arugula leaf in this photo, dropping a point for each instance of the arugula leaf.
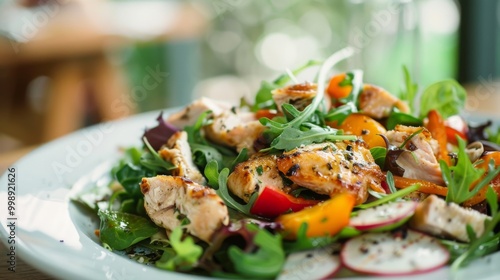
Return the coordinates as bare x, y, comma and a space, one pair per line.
153, 161
119, 230
184, 254
390, 197
379, 154
396, 117
340, 113
223, 192
218, 181
129, 176
492, 199
457, 249
485, 244
354, 79
276, 130
212, 174
242, 156
460, 178
265, 262
409, 93
291, 138
204, 151
390, 182
447, 97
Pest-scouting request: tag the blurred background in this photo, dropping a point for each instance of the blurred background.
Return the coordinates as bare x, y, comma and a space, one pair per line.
67, 64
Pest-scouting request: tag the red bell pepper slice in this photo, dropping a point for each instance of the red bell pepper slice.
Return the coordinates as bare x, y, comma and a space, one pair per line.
272, 203
451, 135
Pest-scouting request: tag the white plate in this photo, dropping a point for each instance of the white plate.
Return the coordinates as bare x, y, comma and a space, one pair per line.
56, 237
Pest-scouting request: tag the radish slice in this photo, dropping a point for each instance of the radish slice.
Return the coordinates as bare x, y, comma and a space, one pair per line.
403, 252
384, 217
313, 264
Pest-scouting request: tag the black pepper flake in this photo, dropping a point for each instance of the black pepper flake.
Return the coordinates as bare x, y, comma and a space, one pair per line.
348, 147
365, 131
293, 170
364, 250
411, 147
329, 166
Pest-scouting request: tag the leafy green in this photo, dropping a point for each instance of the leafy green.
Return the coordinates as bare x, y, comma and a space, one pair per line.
354, 79
137, 164
460, 178
457, 249
410, 91
303, 242
447, 97
396, 117
390, 182
493, 135
184, 254
218, 181
130, 176
153, 161
297, 120
485, 244
291, 138
265, 262
492, 199
119, 230
242, 156
205, 151
340, 113
264, 97
390, 197
379, 154
212, 174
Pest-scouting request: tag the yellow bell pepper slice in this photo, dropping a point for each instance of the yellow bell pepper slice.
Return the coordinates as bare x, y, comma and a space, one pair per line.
324, 219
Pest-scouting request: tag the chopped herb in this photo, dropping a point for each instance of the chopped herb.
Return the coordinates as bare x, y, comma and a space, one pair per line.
260, 170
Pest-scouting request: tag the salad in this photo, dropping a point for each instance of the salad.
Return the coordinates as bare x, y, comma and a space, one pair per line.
310, 178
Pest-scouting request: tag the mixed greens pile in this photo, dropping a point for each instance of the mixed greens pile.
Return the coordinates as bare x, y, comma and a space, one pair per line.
252, 246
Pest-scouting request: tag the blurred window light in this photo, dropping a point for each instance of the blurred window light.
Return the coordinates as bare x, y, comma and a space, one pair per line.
277, 51
439, 16
224, 41
140, 19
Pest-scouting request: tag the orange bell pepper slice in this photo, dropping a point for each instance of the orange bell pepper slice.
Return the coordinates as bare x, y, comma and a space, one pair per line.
438, 131
425, 186
326, 218
336, 90
365, 127
495, 183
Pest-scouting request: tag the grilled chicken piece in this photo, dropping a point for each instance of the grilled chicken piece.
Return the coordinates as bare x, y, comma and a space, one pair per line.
170, 199
377, 103
255, 174
235, 129
190, 114
178, 152
436, 217
333, 168
420, 162
299, 95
